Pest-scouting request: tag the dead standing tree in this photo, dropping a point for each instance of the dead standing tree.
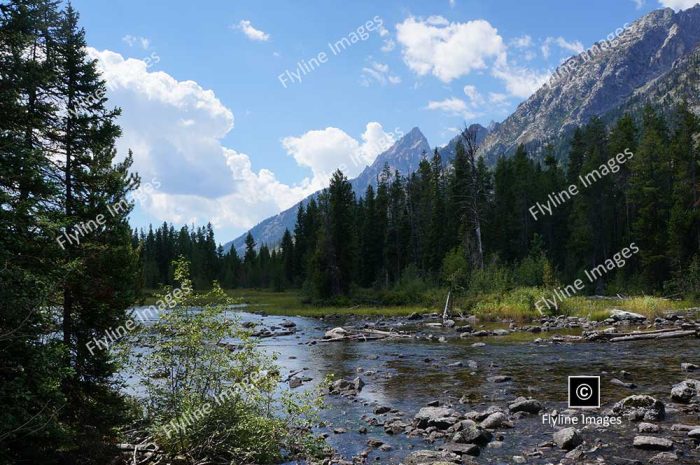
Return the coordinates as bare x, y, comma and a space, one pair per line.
471, 147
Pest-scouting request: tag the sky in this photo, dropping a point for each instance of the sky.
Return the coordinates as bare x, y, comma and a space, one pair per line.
236, 110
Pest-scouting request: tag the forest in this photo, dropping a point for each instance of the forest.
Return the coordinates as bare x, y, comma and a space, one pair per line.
462, 224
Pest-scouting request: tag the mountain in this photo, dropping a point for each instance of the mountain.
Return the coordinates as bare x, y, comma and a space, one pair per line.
654, 60
403, 156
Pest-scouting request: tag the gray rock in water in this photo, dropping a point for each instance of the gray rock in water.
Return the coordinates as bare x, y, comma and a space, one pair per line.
415, 316
521, 404
664, 457
685, 390
461, 449
688, 367
345, 387
431, 457
295, 382
694, 434
374, 443
648, 428
652, 443
496, 420
567, 438
439, 417
618, 382
471, 434
382, 410
637, 408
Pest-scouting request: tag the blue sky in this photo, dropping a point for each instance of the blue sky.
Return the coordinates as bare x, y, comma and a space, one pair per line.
220, 138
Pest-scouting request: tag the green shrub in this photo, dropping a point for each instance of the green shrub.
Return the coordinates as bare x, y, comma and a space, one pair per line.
211, 392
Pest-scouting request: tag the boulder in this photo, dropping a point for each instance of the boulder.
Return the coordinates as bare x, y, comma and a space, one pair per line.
522, 404
694, 434
461, 449
664, 457
295, 382
471, 434
438, 417
346, 387
382, 410
648, 428
496, 420
688, 367
652, 443
567, 438
685, 391
641, 407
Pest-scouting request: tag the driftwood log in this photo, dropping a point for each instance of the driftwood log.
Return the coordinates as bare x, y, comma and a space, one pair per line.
655, 335
365, 335
666, 333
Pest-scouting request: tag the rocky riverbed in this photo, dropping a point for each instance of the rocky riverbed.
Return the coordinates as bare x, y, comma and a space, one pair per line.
421, 390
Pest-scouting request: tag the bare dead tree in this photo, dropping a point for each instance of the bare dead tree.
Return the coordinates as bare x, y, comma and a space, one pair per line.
471, 147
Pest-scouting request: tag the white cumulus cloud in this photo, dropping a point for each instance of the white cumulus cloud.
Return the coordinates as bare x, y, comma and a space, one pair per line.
250, 32
175, 129
325, 150
679, 4
452, 106
379, 73
519, 81
448, 50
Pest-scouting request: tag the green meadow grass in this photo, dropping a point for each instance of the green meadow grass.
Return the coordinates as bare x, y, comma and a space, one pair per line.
516, 305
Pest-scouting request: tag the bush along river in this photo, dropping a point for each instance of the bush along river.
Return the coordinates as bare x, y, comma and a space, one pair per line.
420, 390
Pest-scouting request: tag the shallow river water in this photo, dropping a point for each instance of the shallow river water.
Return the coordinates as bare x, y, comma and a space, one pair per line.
406, 374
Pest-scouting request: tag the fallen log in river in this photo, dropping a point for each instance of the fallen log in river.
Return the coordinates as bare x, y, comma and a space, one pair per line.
655, 335
666, 333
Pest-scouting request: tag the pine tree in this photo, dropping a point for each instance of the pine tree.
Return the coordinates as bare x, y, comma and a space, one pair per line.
102, 272
29, 270
649, 189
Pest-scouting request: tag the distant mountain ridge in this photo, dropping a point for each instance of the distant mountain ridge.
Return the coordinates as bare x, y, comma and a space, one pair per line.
656, 60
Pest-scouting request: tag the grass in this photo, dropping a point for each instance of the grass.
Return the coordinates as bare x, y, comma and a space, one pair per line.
599, 309
517, 305
291, 303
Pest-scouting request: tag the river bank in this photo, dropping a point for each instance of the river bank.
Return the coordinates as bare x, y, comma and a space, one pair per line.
518, 304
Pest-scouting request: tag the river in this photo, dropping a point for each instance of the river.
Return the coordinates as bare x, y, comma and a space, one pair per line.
407, 374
